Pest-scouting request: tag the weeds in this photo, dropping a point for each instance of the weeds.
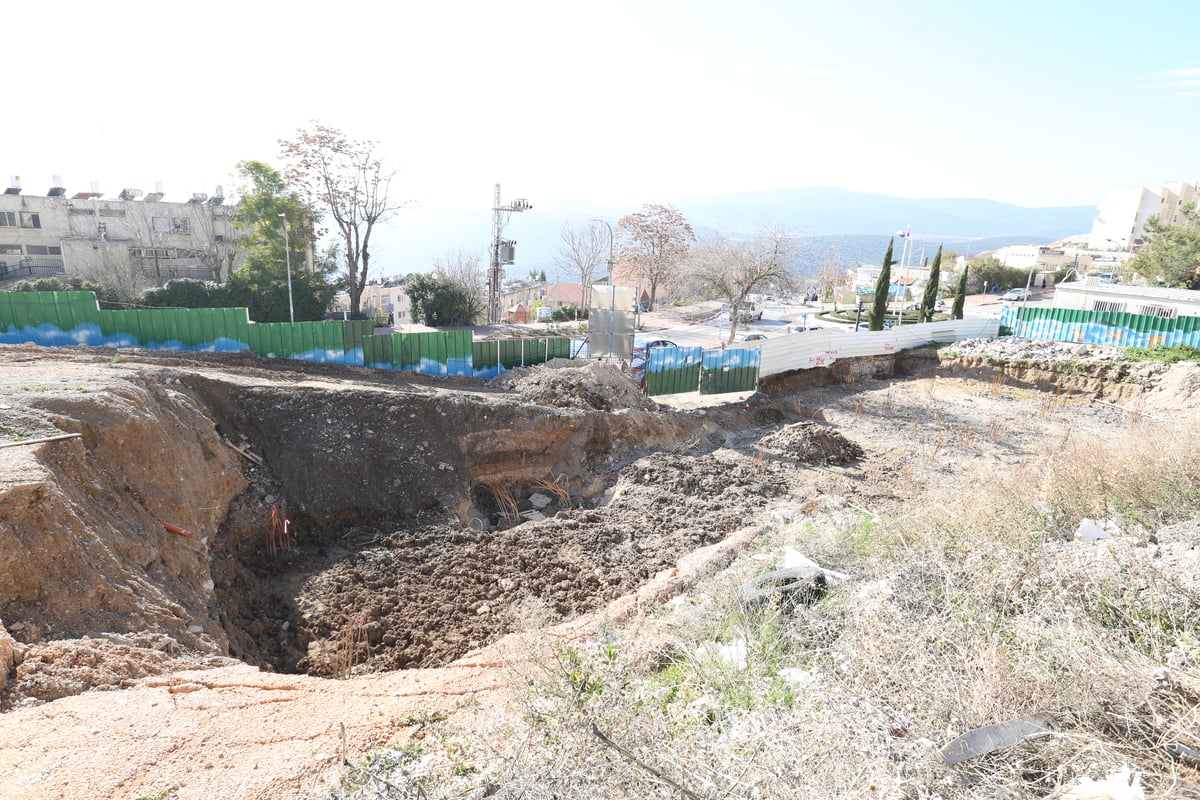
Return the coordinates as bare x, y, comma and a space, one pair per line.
971, 607
1163, 355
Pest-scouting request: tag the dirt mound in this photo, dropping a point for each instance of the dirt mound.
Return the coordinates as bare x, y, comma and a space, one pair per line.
597, 386
811, 443
1178, 391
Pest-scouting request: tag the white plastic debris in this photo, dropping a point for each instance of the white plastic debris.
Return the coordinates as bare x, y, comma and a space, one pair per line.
1089, 531
1124, 784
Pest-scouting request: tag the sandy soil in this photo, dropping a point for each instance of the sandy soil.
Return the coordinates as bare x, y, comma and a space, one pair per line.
145, 660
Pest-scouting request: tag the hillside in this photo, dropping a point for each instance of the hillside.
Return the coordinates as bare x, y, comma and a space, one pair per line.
417, 236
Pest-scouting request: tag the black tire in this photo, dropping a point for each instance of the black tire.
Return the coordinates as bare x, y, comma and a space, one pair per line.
792, 586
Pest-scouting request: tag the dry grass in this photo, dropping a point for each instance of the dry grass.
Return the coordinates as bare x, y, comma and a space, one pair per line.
506, 502
558, 488
351, 643
975, 608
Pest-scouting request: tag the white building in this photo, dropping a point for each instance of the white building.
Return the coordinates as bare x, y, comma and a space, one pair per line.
387, 299
128, 237
1121, 221
1093, 294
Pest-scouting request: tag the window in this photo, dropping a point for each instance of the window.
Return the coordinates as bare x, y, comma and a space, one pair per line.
182, 225
160, 225
150, 252
42, 250
101, 229
30, 220
10, 249
112, 212
1163, 312
1113, 306
8, 219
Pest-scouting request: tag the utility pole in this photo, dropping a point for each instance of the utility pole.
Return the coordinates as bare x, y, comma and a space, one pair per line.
503, 252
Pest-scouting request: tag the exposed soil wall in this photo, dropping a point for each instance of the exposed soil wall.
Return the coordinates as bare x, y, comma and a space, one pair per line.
84, 549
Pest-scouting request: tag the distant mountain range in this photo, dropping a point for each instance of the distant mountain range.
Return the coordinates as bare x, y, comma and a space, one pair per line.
857, 224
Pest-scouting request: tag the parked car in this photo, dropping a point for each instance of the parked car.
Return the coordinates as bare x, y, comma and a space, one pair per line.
1015, 294
637, 364
750, 312
754, 337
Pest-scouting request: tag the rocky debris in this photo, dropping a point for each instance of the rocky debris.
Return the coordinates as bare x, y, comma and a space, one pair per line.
811, 443
586, 385
1013, 348
8, 656
50, 670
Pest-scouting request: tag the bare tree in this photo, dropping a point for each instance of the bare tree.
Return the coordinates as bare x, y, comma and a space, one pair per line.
654, 245
466, 272
582, 249
217, 239
346, 177
830, 276
733, 272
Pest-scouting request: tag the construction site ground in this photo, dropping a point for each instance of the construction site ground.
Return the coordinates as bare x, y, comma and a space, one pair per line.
162, 632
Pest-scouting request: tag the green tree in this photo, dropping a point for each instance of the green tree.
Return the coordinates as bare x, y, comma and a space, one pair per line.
437, 300
929, 301
988, 270
105, 294
261, 284
187, 293
960, 296
883, 286
463, 271
1172, 252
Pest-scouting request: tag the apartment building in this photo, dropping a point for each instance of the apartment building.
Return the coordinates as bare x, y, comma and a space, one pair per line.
1121, 222
130, 237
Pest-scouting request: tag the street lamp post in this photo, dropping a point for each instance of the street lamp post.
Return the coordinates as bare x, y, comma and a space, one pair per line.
907, 236
287, 254
612, 285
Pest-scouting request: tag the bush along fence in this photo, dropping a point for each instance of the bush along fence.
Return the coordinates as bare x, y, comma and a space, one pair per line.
1100, 327
56, 319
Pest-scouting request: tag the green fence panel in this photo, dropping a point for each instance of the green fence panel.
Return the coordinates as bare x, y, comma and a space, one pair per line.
673, 370
1120, 329
483, 354
731, 370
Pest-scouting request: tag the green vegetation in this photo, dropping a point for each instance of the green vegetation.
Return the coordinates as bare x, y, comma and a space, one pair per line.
929, 300
1172, 252
1163, 355
883, 286
960, 294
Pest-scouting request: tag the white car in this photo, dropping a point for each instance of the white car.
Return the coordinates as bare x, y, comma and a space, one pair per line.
1015, 294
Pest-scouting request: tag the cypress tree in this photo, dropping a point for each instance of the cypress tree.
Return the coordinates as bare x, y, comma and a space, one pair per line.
882, 287
960, 297
929, 301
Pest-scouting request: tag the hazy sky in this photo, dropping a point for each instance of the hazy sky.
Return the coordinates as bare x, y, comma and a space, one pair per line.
1032, 102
